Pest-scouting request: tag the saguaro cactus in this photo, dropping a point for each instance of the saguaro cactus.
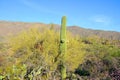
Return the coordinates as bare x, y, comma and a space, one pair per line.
63, 48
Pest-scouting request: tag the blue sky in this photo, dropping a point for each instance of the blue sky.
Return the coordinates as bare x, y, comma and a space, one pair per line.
93, 14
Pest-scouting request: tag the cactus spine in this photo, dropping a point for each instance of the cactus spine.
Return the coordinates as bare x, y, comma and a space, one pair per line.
63, 48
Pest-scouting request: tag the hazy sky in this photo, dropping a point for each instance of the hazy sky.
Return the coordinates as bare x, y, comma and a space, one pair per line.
94, 14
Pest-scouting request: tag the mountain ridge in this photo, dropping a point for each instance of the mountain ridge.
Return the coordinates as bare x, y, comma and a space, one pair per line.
11, 27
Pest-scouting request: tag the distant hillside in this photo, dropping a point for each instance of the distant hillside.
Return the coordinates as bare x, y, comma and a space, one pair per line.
89, 32
7, 28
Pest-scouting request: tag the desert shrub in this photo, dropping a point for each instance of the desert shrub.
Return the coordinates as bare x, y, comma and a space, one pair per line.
75, 52
100, 61
88, 58
39, 49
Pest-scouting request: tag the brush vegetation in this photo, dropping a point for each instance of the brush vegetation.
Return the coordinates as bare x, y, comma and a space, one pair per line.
32, 55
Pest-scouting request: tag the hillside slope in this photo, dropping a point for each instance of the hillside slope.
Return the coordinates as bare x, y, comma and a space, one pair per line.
89, 32
7, 28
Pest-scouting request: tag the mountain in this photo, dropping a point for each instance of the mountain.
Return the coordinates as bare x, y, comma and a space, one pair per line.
7, 28
89, 32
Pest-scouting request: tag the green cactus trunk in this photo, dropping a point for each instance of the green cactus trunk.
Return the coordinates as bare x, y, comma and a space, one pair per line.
63, 48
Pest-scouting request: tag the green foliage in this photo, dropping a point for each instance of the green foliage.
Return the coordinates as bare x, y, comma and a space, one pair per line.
75, 52
100, 59
32, 54
39, 49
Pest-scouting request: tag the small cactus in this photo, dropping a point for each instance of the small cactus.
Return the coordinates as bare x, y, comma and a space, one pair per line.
1, 77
